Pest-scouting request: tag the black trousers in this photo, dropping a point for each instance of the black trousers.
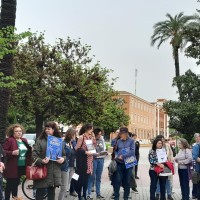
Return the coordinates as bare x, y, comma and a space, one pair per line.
82, 183
72, 186
12, 184
40, 192
11, 187
136, 166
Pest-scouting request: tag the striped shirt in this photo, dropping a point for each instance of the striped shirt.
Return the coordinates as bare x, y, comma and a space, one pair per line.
81, 143
183, 158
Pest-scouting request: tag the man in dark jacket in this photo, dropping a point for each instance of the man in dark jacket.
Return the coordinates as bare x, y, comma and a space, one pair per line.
137, 154
124, 156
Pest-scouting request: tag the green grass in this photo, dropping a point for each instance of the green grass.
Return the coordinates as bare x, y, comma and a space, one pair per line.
108, 145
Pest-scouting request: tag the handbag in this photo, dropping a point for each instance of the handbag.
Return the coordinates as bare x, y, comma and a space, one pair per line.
190, 170
195, 177
35, 172
166, 171
112, 167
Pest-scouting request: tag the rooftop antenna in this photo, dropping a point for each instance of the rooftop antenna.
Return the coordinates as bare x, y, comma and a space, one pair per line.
136, 71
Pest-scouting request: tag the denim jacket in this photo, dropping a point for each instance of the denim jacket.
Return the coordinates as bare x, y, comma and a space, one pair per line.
195, 155
128, 144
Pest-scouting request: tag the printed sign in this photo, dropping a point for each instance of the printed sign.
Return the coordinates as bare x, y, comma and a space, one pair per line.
130, 161
162, 155
54, 147
90, 146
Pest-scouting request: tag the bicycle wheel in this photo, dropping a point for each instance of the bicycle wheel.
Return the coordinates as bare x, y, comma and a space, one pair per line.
28, 190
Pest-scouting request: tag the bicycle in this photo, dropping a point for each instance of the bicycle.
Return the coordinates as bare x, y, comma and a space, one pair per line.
28, 190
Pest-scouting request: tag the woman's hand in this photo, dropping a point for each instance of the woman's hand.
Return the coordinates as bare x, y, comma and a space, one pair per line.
45, 160
161, 165
2, 167
16, 152
180, 162
60, 160
88, 153
120, 157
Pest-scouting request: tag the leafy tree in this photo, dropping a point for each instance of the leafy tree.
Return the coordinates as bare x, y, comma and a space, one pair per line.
193, 50
184, 115
7, 19
173, 29
113, 116
61, 82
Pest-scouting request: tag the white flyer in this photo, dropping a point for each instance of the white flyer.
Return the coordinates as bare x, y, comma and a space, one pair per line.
90, 146
162, 155
75, 176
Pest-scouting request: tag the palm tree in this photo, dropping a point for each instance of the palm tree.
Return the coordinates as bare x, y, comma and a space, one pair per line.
7, 19
173, 30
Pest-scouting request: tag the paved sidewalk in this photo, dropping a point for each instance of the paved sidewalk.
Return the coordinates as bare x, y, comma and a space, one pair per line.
143, 183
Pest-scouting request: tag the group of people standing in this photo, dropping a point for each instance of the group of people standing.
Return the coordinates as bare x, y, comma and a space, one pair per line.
83, 155
76, 158
161, 173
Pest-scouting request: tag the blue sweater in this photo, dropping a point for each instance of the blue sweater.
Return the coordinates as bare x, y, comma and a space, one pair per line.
125, 148
195, 155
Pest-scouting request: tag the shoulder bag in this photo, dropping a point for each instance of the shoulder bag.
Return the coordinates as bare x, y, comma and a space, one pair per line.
35, 172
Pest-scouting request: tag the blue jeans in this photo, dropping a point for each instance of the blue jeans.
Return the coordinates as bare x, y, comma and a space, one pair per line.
98, 164
1, 188
184, 183
194, 190
198, 190
154, 179
168, 187
122, 177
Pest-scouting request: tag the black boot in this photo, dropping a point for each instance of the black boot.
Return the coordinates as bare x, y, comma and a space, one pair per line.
170, 197
157, 197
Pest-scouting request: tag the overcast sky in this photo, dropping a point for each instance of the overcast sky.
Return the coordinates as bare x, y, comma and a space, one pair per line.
119, 33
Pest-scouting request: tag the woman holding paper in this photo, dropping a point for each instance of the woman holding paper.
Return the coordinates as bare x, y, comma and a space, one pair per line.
183, 158
98, 164
154, 161
84, 158
53, 178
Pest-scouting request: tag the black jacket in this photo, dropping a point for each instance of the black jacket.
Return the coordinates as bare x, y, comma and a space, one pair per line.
137, 147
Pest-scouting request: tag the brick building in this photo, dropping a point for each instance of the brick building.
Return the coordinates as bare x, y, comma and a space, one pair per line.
146, 119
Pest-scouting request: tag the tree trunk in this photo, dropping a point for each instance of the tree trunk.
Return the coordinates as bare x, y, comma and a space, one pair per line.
7, 18
176, 61
39, 119
177, 70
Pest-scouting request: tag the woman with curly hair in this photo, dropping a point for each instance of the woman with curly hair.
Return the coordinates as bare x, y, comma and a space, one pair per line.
18, 154
53, 178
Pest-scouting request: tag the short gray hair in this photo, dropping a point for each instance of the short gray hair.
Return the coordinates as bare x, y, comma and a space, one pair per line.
197, 135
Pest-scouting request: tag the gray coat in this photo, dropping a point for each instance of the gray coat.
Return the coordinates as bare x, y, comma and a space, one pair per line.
53, 178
